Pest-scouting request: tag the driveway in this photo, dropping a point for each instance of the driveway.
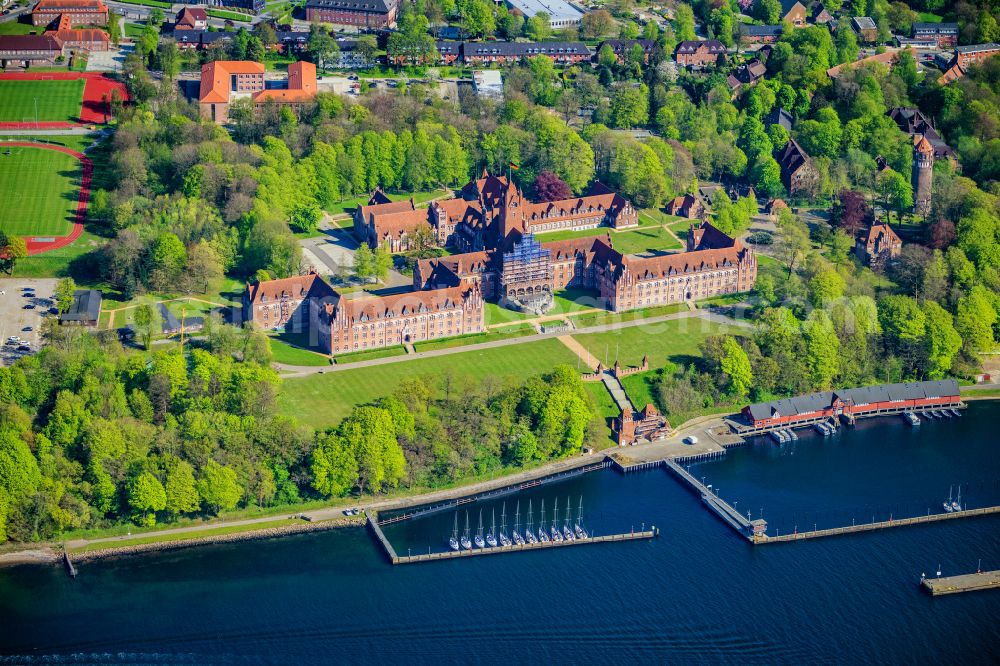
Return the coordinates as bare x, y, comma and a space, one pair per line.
14, 317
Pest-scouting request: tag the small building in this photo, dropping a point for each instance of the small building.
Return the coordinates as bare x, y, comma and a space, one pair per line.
746, 76
794, 12
820, 16
760, 34
940, 34
27, 50
865, 28
85, 310
878, 245
448, 52
291, 42
79, 39
78, 12
797, 171
562, 14
359, 14
563, 53
686, 206
648, 424
699, 54
488, 83
974, 53
779, 116
191, 18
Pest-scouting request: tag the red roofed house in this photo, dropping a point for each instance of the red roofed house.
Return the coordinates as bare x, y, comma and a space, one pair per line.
698, 54
79, 12
797, 171
686, 206
191, 18
225, 80
87, 39
878, 245
289, 303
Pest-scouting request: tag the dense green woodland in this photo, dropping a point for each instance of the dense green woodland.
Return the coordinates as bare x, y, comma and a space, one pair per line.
91, 433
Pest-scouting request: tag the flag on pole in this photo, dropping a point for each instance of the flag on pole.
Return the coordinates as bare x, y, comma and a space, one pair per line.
513, 166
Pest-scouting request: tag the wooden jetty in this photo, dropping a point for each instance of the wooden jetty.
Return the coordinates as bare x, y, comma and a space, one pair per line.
866, 527
380, 535
70, 569
983, 580
731, 516
514, 548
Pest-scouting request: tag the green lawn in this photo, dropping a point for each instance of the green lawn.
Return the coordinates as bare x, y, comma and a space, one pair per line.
38, 190
230, 16
356, 357
650, 239
512, 331
18, 28
61, 262
148, 3
605, 317
928, 17
639, 388
660, 341
56, 100
134, 30
321, 400
282, 352
566, 302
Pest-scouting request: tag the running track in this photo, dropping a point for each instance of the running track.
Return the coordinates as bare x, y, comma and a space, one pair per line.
36, 247
91, 112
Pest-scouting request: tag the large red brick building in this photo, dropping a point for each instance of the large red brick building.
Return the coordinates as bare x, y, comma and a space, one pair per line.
360, 14
225, 80
79, 12
487, 210
698, 54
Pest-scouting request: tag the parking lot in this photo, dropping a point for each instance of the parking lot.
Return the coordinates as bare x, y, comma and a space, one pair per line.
21, 309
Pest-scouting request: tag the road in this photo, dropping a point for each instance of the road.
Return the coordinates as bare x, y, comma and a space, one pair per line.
291, 371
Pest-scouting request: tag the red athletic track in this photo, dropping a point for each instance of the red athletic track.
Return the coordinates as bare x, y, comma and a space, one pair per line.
91, 112
36, 247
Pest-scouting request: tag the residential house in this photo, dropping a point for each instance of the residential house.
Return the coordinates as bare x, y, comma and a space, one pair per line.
794, 12
798, 174
746, 76
760, 34
687, 206
779, 116
878, 245
564, 53
820, 16
975, 53
622, 47
940, 34
700, 54
191, 18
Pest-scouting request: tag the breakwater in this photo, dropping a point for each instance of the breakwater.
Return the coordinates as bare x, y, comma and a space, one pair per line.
981, 580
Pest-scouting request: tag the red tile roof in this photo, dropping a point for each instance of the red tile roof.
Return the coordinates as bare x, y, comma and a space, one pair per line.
298, 286
215, 81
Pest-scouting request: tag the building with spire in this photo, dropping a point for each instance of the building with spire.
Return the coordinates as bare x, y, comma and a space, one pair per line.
923, 174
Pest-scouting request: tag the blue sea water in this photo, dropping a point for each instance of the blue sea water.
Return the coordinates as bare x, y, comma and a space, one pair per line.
697, 594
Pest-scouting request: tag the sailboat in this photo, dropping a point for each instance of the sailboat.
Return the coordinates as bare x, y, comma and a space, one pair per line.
542, 536
504, 539
529, 533
516, 534
553, 530
480, 543
567, 532
949, 505
466, 542
491, 538
453, 541
957, 505
580, 532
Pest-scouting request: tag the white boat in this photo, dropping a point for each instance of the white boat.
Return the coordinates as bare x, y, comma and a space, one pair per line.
957, 504
491, 537
791, 435
529, 532
580, 532
911, 418
516, 534
778, 436
453, 541
465, 540
542, 534
479, 541
956, 413
553, 530
948, 504
504, 539
567, 532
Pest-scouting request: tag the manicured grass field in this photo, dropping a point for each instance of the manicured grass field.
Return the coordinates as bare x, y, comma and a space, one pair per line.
282, 352
18, 28
60, 262
512, 331
331, 396
566, 302
605, 317
38, 190
57, 100
357, 357
649, 239
660, 341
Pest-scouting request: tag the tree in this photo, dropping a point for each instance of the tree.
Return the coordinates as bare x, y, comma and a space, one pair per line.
902, 320
181, 490
895, 191
146, 496
364, 263
334, 468
943, 341
550, 187
321, 44
825, 287
851, 211
538, 27
630, 106
736, 365
305, 216
793, 240
975, 318
606, 56
203, 267
596, 24
64, 292
382, 262
12, 249
684, 23
477, 17
114, 28
218, 487
768, 11
822, 349
369, 432
145, 321
766, 176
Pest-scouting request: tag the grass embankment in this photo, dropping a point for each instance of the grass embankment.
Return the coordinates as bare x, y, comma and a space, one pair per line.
348, 205
565, 302
282, 352
148, 3
229, 16
355, 357
668, 340
185, 536
503, 333
331, 396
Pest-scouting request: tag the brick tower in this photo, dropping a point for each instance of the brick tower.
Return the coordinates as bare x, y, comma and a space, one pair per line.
923, 173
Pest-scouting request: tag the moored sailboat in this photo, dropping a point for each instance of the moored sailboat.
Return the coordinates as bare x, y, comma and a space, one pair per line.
516, 534
491, 537
580, 532
504, 539
480, 543
542, 536
948, 504
567, 532
529, 532
554, 530
465, 541
453, 541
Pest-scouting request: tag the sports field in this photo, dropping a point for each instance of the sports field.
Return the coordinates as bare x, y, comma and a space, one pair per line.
57, 100
38, 191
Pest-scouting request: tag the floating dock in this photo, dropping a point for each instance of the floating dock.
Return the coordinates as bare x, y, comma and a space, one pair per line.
867, 527
731, 516
513, 548
985, 580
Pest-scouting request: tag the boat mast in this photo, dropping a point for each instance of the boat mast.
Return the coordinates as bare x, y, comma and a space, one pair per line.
517, 516
503, 519
579, 512
541, 519
555, 513
466, 523
479, 532
493, 524
529, 516
454, 531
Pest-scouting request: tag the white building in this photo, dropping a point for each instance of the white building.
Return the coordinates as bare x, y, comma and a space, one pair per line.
562, 14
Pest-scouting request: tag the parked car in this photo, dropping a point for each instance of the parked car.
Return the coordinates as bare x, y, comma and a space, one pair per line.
24, 348
29, 306
26, 329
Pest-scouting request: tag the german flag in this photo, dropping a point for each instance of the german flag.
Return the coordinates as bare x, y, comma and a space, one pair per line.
513, 166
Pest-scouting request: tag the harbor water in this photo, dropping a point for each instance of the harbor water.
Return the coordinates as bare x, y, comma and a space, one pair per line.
698, 593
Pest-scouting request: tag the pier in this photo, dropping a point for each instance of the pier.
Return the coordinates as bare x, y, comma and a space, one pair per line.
514, 548
721, 508
984, 580
380, 535
70, 569
867, 527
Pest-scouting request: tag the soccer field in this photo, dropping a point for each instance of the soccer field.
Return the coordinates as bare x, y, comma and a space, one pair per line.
57, 100
38, 191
